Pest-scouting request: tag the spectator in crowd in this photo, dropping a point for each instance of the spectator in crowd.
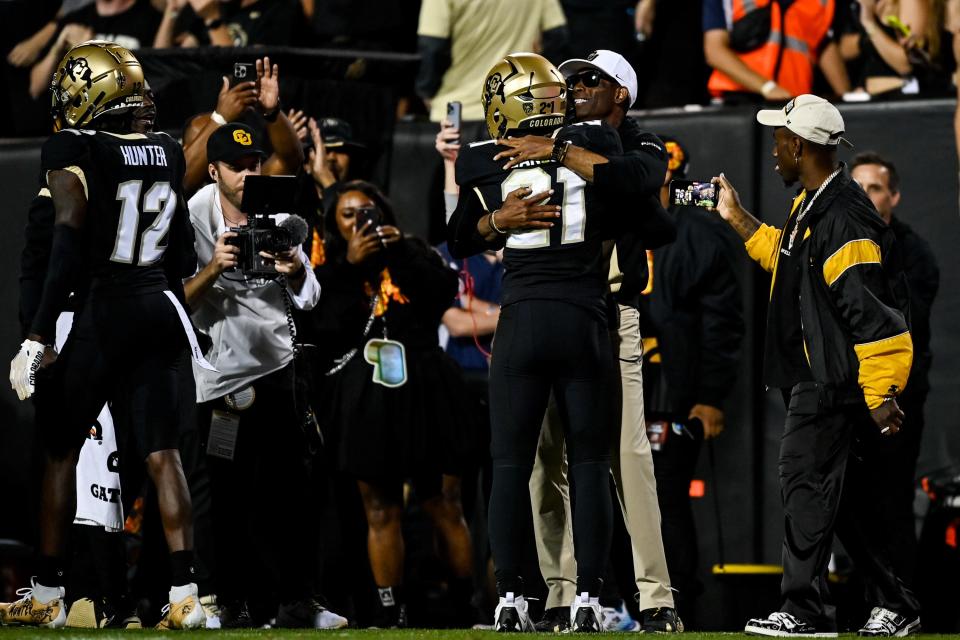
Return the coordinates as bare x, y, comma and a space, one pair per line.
332, 151
237, 103
251, 407
767, 50
896, 46
392, 396
692, 326
604, 86
232, 24
896, 467
130, 23
839, 348
460, 39
469, 324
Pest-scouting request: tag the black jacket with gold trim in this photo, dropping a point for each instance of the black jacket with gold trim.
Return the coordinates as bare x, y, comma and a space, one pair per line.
854, 300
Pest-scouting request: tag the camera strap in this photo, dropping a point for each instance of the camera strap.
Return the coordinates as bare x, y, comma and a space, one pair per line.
345, 359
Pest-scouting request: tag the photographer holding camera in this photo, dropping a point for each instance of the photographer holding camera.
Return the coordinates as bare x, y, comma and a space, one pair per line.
248, 407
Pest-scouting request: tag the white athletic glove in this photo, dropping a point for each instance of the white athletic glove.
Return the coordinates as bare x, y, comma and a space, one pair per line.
23, 369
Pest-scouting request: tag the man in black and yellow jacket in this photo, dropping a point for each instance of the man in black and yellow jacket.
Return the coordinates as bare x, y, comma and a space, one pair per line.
838, 345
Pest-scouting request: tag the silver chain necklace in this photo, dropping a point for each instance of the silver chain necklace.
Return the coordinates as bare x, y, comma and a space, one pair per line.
805, 210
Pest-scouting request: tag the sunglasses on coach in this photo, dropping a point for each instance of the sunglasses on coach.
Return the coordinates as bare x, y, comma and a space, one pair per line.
590, 78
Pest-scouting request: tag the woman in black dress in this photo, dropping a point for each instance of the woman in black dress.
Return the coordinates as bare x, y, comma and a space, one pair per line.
401, 423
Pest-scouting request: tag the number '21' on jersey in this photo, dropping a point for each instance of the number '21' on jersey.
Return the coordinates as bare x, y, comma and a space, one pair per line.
563, 262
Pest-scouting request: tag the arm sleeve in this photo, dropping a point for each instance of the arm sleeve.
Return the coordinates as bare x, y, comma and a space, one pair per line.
310, 291
721, 325
763, 245
713, 15
66, 261
433, 45
463, 239
853, 272
35, 256
639, 171
556, 35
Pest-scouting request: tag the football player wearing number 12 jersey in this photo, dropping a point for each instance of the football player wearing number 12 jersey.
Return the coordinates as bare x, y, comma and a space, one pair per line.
121, 218
553, 333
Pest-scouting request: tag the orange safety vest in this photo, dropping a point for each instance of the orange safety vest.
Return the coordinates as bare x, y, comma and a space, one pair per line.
805, 25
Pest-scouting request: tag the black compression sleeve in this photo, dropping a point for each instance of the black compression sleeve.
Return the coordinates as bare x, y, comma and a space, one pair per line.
66, 260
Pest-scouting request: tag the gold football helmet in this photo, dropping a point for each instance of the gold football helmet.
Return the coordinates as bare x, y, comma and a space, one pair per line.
94, 78
523, 91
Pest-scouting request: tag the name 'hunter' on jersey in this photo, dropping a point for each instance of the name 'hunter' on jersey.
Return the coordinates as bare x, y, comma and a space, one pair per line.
145, 154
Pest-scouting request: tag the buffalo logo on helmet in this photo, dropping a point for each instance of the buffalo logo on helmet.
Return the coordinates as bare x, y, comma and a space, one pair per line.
242, 137
528, 108
79, 69
494, 87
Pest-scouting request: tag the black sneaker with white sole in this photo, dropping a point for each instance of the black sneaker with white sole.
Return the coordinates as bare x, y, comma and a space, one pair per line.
781, 624
512, 615
886, 623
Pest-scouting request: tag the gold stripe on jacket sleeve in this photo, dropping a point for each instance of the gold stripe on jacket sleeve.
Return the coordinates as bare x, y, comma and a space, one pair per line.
851, 254
763, 246
884, 364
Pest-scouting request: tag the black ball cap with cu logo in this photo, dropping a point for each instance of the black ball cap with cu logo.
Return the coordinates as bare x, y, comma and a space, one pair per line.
232, 141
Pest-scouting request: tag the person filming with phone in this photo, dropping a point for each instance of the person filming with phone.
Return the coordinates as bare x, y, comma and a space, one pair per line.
838, 346
391, 396
250, 408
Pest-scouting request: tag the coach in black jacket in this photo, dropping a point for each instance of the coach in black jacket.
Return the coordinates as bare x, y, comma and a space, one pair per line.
839, 347
691, 318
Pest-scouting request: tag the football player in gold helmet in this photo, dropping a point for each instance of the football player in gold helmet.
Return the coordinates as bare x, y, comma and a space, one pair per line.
552, 337
95, 78
120, 220
523, 93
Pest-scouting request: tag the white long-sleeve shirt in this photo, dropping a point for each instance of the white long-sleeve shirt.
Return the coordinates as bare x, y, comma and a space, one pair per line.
245, 318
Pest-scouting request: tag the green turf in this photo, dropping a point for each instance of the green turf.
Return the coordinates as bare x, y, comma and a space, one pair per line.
9, 633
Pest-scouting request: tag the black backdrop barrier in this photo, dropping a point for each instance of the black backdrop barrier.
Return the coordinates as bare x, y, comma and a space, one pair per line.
19, 166
917, 135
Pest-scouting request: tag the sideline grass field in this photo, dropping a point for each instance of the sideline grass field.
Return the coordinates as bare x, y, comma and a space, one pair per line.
11, 633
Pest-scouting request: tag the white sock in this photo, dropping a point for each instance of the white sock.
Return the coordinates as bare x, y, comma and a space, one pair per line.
180, 593
45, 595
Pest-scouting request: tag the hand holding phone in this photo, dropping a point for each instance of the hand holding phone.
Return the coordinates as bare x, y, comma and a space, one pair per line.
243, 72
455, 115
367, 215
687, 193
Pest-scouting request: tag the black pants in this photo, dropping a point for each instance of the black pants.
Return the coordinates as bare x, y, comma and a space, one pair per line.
260, 540
543, 346
124, 350
676, 447
826, 458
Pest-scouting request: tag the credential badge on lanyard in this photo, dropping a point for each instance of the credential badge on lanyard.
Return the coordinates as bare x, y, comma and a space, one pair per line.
389, 361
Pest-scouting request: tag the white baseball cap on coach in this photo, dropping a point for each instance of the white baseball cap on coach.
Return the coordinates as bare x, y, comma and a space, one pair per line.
609, 62
810, 117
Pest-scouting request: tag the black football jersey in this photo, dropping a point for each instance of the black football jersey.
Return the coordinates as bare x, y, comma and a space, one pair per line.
565, 261
134, 194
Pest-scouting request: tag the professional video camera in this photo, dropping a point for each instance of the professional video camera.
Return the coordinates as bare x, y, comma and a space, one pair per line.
264, 196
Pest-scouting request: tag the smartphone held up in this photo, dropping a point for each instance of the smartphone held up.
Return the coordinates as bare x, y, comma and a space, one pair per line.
687, 193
